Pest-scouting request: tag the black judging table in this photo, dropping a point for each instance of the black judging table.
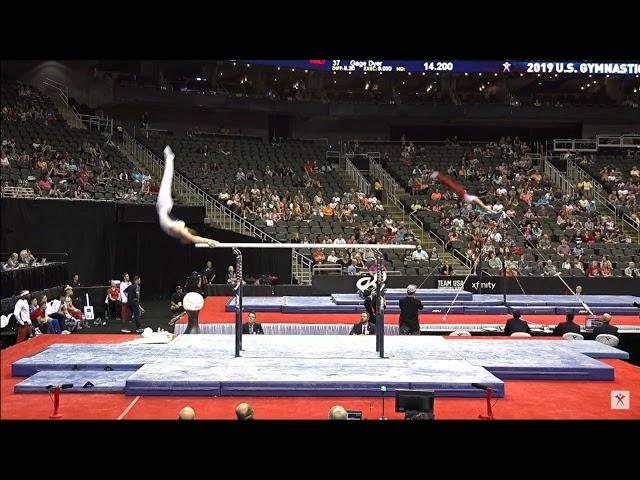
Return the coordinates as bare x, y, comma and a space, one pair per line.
33, 278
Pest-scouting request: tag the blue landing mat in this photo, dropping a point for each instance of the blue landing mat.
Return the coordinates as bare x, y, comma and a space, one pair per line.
327, 365
309, 377
430, 294
532, 359
571, 300
88, 357
102, 381
594, 349
355, 299
340, 366
477, 304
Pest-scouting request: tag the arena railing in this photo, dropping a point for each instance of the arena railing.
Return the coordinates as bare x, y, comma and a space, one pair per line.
60, 89
576, 173
355, 176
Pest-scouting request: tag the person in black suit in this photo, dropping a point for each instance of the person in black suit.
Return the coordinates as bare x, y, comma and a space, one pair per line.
364, 327
606, 327
515, 324
409, 306
251, 327
567, 327
370, 304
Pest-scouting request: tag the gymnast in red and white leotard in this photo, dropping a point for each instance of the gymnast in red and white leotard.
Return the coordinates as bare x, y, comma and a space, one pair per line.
459, 190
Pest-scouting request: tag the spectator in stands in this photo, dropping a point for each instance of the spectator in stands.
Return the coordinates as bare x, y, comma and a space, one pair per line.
606, 327
75, 282
351, 269
563, 249
21, 314
319, 256
251, 327
568, 326
338, 413
244, 411
515, 324
550, 269
176, 300
420, 255
593, 270
332, 258
187, 413
12, 261
378, 188
364, 326
494, 262
631, 270
446, 268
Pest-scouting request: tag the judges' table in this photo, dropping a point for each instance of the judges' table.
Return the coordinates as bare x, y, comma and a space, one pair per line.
33, 278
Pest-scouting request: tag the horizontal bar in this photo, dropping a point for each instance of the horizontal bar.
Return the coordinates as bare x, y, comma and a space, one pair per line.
298, 246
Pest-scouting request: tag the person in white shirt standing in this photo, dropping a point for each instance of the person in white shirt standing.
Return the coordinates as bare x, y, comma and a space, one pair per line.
124, 308
21, 313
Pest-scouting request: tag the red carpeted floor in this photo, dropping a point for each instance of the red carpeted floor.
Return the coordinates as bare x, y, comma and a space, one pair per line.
213, 312
589, 400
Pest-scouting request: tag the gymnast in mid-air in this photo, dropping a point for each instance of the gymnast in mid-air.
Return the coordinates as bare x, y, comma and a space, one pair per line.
459, 190
174, 228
